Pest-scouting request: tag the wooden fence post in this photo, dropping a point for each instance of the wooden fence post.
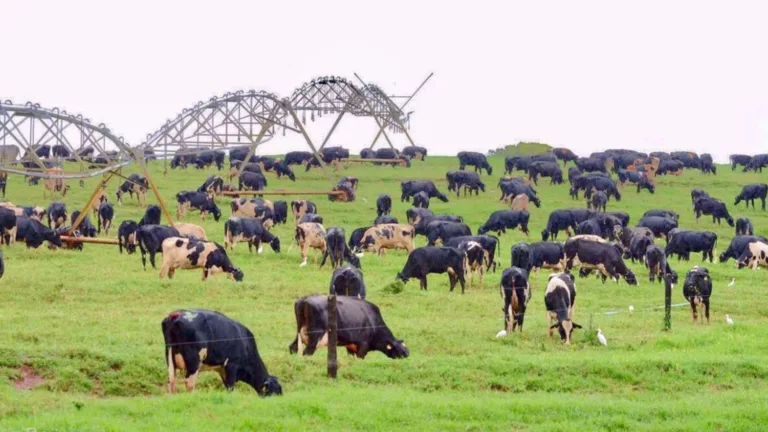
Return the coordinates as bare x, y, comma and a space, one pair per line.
333, 328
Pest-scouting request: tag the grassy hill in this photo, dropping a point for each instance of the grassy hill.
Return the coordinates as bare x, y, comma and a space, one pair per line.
81, 347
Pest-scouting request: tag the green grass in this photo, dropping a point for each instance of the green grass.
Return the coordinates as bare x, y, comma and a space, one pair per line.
88, 323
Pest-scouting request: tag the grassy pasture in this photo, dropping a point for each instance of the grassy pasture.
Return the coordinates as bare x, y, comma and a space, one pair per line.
83, 330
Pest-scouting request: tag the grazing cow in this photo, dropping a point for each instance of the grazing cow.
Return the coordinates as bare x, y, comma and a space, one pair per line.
565, 220
151, 216
86, 228
410, 188
638, 246
475, 159
310, 235
34, 233
521, 256
136, 184
301, 207
751, 192
383, 205
545, 169
7, 225
239, 153
348, 281
421, 227
697, 289
57, 214
573, 172
549, 255
126, 236
589, 226
106, 214
511, 188
564, 155
738, 245
197, 201
754, 255
297, 157
280, 211
150, 239
670, 166
659, 225
599, 201
212, 185
311, 217
251, 230
386, 219
707, 164
623, 217
591, 164
337, 249
3, 183
415, 152
251, 181
356, 237
421, 200
683, 242
443, 231
415, 215
489, 243
516, 292
200, 339
361, 329
429, 259
605, 257
757, 163
714, 207
559, 300
60, 151
744, 226
468, 180
604, 184
739, 159
477, 259
282, 169
638, 178
519, 203
500, 220
663, 213
389, 236
184, 253
657, 265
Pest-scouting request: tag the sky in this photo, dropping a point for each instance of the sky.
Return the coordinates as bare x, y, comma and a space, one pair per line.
587, 75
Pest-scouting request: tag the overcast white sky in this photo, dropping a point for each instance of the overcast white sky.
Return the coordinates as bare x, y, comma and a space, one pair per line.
586, 75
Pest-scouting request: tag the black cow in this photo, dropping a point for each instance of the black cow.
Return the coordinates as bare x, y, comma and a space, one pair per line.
383, 205
670, 166
7, 224
57, 214
545, 169
348, 281
559, 300
311, 217
512, 188
150, 240
386, 153
415, 152
208, 158
415, 215
589, 226
297, 158
663, 213
250, 229
599, 201
698, 193
744, 226
429, 259
421, 200
516, 162
251, 181
338, 250
43, 151
738, 245
282, 169
489, 243
739, 159
85, 227
239, 153
106, 214
623, 217
500, 220
549, 255
410, 188
689, 159
361, 329
638, 246
198, 201
658, 266
564, 155
357, 236
151, 216
200, 339
604, 184
367, 153
386, 219
714, 207
421, 227
126, 236
605, 257
213, 184
280, 211
638, 178
34, 233
468, 180
135, 183
707, 164
60, 151
564, 220
478, 160
683, 242
516, 292
591, 164
573, 172
444, 231
659, 225
751, 192
757, 163
697, 289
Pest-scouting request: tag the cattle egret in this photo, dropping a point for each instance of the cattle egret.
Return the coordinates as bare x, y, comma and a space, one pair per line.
728, 319
733, 282
631, 309
601, 338
501, 334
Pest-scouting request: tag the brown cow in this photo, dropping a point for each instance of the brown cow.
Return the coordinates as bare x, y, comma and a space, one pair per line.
246, 207
520, 203
189, 229
300, 208
310, 235
55, 185
387, 236
183, 253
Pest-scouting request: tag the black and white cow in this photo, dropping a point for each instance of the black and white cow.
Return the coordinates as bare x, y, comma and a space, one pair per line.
251, 181
311, 217
185, 253
429, 259
489, 243
565, 220
347, 280
106, 215
361, 329
605, 257
337, 249
477, 259
297, 157
443, 231
34, 233
660, 226
383, 205
212, 185
714, 207
410, 188
86, 226
136, 184
415, 215
755, 255
200, 339
150, 239
559, 299
500, 220
475, 159
744, 226
751, 192
126, 236
57, 214
7, 225
682, 242
415, 152
252, 231
200, 201
697, 289
357, 236
516, 292
550, 255
151, 216
421, 200
738, 245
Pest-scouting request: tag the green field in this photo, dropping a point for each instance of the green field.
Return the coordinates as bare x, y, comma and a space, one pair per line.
81, 346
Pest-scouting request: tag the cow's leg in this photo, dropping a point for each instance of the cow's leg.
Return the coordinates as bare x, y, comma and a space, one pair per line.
423, 282
164, 270
304, 252
171, 372
705, 306
152, 259
229, 375
314, 338
763, 202
693, 310
192, 362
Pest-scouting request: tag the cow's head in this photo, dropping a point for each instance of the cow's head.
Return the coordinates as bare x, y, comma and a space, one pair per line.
52, 237
275, 244
730, 220
630, 278
354, 260
365, 243
270, 387
237, 274
395, 349
544, 235
482, 230
214, 209
565, 329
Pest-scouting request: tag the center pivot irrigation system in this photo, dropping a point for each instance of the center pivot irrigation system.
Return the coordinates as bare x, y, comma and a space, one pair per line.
243, 118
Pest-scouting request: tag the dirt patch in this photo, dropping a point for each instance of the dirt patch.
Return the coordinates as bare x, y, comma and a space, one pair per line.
29, 379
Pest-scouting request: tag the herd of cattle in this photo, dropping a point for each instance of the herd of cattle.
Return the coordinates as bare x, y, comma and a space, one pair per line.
599, 241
